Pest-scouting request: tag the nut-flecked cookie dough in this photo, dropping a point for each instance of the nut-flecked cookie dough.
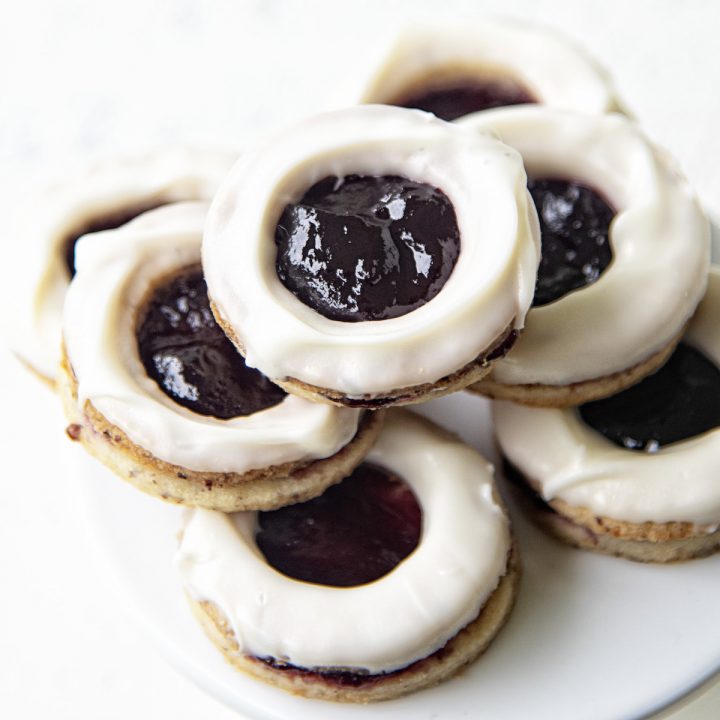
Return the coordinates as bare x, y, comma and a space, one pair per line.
152, 388
417, 624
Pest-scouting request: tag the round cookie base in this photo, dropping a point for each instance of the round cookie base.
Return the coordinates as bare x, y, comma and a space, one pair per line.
460, 650
467, 375
562, 396
648, 542
260, 489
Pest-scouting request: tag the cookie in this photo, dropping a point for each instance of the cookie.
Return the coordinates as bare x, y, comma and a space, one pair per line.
387, 257
102, 196
322, 603
633, 475
453, 70
153, 388
620, 226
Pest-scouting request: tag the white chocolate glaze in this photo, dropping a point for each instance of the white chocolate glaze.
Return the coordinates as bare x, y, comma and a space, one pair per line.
565, 458
555, 71
489, 289
160, 177
383, 625
115, 271
660, 240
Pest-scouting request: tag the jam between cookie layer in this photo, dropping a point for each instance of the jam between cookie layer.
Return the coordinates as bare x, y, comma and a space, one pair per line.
184, 350
367, 248
355, 533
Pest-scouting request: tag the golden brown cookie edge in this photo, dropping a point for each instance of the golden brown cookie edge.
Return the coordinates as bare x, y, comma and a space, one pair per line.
462, 649
259, 489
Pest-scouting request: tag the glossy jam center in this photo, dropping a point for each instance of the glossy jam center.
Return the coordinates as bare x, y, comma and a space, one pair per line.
184, 350
354, 533
679, 401
106, 221
367, 248
574, 222
453, 99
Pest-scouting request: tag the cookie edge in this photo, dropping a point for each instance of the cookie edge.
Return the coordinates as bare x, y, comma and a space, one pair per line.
259, 489
563, 396
460, 650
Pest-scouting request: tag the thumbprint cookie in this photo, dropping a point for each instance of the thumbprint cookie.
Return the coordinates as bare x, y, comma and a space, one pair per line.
635, 474
453, 71
373, 256
102, 196
153, 388
624, 262
389, 582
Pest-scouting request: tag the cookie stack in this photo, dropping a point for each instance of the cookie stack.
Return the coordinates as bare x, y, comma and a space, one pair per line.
242, 357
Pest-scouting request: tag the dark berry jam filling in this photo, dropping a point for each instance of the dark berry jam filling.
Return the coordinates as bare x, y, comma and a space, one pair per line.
574, 223
680, 401
333, 678
354, 533
355, 678
184, 350
456, 98
108, 220
367, 248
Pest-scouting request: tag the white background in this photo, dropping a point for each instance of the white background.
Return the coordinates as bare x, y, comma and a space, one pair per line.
80, 78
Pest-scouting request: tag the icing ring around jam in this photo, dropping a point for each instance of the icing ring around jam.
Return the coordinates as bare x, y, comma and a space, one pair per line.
383, 625
565, 458
539, 61
489, 289
659, 236
117, 190
116, 270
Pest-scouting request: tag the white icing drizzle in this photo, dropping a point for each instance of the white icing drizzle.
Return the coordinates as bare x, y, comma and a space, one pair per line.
548, 65
565, 458
158, 177
383, 625
660, 241
490, 287
115, 271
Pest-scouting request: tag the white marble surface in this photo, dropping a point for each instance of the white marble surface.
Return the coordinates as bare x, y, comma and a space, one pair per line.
80, 79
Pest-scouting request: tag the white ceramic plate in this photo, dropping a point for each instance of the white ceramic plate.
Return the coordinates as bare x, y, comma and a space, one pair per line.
591, 638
